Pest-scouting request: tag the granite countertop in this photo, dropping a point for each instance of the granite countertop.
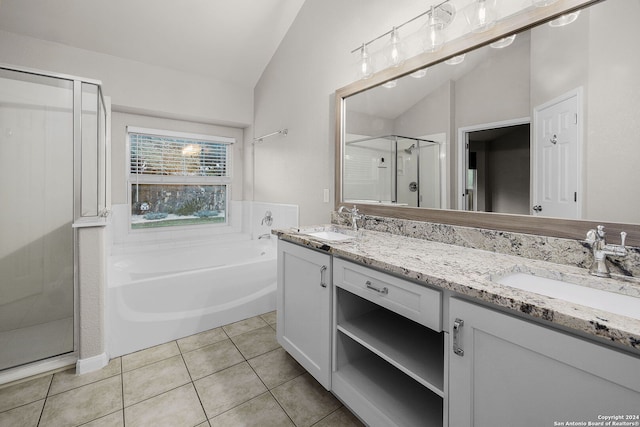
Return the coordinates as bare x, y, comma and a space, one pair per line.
470, 271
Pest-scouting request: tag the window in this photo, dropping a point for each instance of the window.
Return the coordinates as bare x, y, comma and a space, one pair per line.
178, 178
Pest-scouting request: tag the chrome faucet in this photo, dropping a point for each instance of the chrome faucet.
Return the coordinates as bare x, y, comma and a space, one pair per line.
354, 215
600, 248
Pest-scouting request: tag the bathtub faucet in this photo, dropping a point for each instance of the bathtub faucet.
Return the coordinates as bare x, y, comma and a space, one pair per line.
264, 236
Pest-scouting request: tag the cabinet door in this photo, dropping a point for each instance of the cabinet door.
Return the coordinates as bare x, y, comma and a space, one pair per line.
304, 308
511, 372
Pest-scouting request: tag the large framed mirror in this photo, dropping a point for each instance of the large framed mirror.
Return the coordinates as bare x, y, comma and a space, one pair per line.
538, 133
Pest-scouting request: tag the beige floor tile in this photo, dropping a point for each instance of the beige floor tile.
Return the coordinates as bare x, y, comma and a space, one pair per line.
340, 418
154, 379
23, 416
204, 424
305, 400
270, 317
112, 420
226, 389
243, 326
176, 408
262, 411
256, 342
149, 355
275, 367
83, 404
23, 393
212, 358
67, 380
202, 339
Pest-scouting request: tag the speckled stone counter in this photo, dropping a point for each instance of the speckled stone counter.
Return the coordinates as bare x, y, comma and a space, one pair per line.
471, 272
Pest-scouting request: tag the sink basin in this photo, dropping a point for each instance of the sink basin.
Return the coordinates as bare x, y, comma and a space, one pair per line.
330, 235
624, 305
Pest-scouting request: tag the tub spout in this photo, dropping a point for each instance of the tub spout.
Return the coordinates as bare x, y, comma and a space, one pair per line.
264, 236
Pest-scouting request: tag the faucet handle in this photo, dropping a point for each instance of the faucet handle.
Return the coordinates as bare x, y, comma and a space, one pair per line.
591, 236
623, 237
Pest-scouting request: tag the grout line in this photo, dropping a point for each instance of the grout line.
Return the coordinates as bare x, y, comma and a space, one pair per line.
46, 397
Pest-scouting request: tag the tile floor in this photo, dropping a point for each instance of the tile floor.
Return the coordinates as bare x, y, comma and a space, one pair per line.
235, 375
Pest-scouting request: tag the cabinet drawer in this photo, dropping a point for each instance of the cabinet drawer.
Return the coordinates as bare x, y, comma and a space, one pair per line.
415, 302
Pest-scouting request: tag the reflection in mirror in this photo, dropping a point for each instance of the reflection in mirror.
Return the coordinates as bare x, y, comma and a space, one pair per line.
393, 169
544, 124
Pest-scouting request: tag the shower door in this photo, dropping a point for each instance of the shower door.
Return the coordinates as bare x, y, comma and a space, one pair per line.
36, 213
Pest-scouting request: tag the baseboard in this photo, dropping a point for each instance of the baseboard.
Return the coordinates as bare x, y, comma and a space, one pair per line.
90, 364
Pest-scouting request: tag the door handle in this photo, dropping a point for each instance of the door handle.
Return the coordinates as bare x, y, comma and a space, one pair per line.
537, 208
322, 270
457, 326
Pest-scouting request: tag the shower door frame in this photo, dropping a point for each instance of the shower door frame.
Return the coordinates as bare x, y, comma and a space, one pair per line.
70, 358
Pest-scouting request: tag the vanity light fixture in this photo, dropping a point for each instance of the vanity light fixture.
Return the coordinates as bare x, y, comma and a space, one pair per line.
366, 69
441, 15
455, 60
481, 15
394, 50
503, 42
564, 19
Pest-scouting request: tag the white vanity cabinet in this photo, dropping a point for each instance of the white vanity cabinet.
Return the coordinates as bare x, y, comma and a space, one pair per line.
506, 371
304, 308
389, 364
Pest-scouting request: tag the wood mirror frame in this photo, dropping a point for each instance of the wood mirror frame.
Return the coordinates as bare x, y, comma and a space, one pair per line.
538, 225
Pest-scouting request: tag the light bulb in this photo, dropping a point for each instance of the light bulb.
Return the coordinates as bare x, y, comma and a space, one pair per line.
481, 15
434, 37
394, 50
365, 67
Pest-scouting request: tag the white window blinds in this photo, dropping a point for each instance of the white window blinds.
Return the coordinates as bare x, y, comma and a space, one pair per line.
177, 156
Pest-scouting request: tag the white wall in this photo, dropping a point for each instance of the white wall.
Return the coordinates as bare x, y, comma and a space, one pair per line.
134, 86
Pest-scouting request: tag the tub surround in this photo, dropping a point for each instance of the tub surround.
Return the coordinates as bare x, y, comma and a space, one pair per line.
469, 271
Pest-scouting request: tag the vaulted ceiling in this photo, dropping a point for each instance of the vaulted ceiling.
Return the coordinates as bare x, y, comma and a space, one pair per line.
228, 40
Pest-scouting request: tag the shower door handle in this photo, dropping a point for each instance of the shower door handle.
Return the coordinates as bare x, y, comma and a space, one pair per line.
322, 271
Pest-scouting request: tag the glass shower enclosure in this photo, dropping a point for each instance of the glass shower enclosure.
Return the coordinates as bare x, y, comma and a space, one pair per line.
392, 169
52, 176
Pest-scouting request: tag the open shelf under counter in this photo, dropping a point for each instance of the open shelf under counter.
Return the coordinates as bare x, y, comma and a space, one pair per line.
410, 347
389, 392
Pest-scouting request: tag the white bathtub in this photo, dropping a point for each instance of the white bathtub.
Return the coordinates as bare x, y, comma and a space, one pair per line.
168, 293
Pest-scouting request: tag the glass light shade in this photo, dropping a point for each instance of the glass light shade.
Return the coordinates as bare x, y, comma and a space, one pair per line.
365, 67
503, 42
390, 84
564, 19
455, 60
434, 38
394, 50
481, 15
419, 74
